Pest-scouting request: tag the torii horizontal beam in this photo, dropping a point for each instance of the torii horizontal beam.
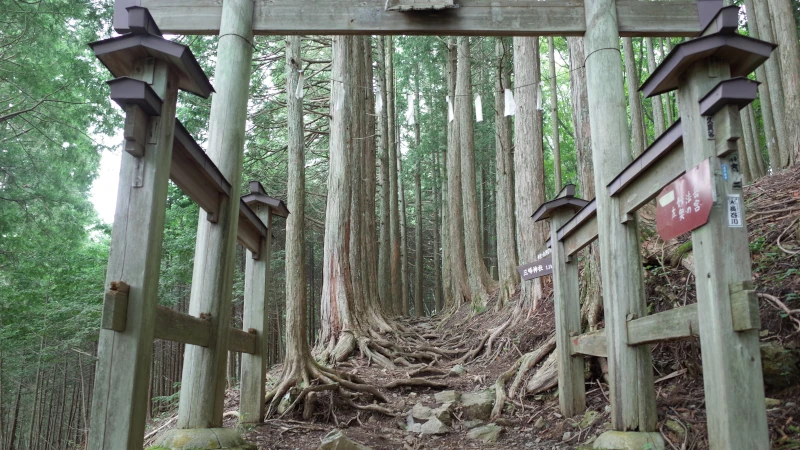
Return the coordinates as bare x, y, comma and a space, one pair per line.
471, 17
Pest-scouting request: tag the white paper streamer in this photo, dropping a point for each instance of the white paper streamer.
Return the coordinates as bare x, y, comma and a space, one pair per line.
378, 102
539, 99
341, 92
410, 112
450, 114
511, 105
300, 91
478, 108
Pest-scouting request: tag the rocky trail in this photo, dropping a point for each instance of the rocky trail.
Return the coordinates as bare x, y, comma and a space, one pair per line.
443, 394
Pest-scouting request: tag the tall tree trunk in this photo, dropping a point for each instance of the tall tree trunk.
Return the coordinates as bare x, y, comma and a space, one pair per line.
347, 314
394, 211
634, 97
386, 245
312, 322
666, 48
752, 146
12, 438
403, 234
370, 182
437, 237
419, 309
762, 166
591, 287
337, 290
36, 392
504, 173
783, 19
528, 163
480, 281
297, 347
772, 106
658, 106
459, 280
558, 184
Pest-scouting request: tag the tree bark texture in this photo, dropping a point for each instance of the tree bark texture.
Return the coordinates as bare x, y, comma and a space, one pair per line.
528, 161
634, 97
554, 115
783, 21
459, 280
772, 107
385, 258
297, 347
394, 212
658, 106
347, 311
590, 280
480, 281
507, 260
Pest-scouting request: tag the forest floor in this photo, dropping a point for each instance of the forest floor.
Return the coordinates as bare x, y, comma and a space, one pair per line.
533, 421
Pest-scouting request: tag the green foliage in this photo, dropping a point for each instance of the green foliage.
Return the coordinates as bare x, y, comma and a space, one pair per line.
167, 401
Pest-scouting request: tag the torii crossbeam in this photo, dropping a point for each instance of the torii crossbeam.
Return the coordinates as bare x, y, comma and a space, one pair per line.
471, 17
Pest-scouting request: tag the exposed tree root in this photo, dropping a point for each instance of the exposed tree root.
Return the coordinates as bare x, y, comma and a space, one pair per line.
530, 360
486, 342
545, 378
416, 382
500, 389
301, 372
519, 368
428, 370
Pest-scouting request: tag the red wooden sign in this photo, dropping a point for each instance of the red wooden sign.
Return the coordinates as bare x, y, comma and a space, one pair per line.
536, 269
685, 204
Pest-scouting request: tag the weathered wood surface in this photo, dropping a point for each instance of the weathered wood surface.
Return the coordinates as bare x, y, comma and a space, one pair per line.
119, 403
584, 235
632, 393
678, 323
243, 342
590, 344
196, 175
250, 230
731, 360
744, 307
472, 17
567, 304
204, 380
177, 327
650, 182
254, 317
728, 125
115, 307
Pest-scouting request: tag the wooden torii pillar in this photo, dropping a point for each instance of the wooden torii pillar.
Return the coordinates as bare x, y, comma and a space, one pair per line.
203, 380
567, 301
702, 70
157, 69
632, 393
256, 292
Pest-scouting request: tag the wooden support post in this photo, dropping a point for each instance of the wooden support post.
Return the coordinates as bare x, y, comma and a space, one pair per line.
571, 384
256, 291
203, 388
731, 360
119, 404
630, 368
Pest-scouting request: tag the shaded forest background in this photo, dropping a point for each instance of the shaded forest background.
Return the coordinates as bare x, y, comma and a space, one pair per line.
55, 112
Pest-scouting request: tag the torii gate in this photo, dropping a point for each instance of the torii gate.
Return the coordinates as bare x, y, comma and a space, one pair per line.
119, 424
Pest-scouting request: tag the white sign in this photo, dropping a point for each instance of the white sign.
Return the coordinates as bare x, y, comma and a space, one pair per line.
735, 219
547, 252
